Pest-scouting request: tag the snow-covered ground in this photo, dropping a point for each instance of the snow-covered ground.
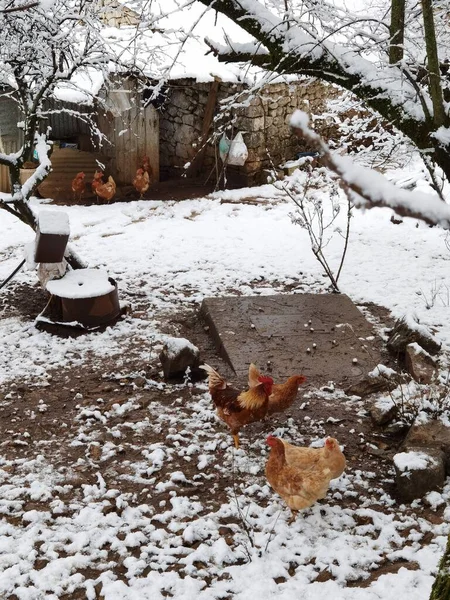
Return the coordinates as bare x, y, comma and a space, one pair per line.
174, 254
177, 253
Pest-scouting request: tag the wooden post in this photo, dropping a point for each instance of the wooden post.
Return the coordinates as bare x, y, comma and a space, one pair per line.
197, 162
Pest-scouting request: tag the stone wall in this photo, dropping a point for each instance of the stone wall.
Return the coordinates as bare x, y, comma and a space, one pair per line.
263, 119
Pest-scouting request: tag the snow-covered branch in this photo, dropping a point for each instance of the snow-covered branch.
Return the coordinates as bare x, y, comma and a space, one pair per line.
302, 49
18, 7
370, 188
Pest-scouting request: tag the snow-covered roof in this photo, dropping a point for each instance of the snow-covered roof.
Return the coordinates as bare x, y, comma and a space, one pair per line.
149, 48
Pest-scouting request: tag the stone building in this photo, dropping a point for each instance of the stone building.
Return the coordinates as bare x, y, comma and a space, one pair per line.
263, 117
187, 121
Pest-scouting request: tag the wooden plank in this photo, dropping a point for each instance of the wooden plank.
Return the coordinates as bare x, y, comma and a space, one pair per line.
4, 180
197, 162
151, 117
8, 145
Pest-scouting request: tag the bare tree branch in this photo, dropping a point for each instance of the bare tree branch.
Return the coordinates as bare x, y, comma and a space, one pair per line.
371, 189
301, 52
18, 8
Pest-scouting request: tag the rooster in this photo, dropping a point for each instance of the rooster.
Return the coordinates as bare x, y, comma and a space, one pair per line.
302, 475
283, 394
238, 408
141, 182
78, 186
103, 190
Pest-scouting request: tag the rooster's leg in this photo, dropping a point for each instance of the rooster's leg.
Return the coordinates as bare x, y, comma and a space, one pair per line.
236, 440
294, 514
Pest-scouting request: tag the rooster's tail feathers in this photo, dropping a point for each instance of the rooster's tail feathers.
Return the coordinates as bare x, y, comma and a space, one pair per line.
215, 380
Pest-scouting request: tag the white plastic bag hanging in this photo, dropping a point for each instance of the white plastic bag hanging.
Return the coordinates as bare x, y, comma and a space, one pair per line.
238, 153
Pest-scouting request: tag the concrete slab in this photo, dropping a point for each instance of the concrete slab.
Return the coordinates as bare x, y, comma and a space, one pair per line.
275, 332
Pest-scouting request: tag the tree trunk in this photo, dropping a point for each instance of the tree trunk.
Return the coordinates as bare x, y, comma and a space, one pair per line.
434, 74
397, 31
441, 585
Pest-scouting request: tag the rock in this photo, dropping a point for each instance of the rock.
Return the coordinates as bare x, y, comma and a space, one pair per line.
419, 471
177, 355
381, 379
370, 385
383, 411
396, 428
433, 434
408, 331
140, 381
419, 364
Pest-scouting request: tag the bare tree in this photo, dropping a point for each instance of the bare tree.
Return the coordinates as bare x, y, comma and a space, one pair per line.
441, 585
434, 75
43, 48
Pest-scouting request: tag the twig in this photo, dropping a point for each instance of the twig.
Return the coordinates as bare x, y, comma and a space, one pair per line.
272, 530
16, 270
241, 516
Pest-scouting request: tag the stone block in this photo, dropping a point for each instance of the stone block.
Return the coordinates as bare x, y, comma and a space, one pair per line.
383, 411
185, 135
419, 364
254, 110
256, 139
188, 119
405, 333
381, 379
258, 124
178, 355
272, 328
433, 434
418, 471
184, 151
255, 155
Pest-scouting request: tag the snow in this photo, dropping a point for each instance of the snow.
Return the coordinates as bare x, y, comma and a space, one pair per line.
383, 371
54, 222
176, 345
418, 350
82, 88
81, 283
413, 461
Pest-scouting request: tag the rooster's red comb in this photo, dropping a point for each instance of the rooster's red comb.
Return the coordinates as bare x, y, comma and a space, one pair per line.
265, 379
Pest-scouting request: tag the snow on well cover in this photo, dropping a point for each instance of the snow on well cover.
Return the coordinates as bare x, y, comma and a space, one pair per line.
81, 283
54, 222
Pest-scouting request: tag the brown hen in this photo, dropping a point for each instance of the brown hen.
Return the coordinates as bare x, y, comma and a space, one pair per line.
105, 191
141, 182
300, 475
78, 186
283, 394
